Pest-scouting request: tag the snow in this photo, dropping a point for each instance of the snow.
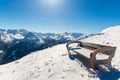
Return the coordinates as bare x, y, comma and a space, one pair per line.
54, 64
1, 51
18, 36
11, 36
6, 38
49, 64
110, 37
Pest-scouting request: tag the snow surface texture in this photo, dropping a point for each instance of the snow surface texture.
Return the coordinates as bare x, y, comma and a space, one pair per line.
54, 64
48, 64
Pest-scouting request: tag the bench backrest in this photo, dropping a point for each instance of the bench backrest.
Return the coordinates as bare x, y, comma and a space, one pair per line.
91, 45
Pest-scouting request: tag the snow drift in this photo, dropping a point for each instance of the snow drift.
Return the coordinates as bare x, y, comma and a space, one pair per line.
54, 64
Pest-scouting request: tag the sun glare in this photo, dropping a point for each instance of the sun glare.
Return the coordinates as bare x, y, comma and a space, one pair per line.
53, 5
52, 2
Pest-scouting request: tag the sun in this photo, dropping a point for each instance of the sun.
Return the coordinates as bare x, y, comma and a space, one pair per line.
53, 5
52, 2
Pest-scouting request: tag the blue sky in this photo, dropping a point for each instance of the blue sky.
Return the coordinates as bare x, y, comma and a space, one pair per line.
87, 16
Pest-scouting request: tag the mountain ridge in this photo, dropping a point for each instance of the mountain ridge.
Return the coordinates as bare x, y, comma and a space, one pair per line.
15, 44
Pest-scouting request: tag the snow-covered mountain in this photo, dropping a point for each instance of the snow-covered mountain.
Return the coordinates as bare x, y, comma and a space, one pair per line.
15, 44
54, 64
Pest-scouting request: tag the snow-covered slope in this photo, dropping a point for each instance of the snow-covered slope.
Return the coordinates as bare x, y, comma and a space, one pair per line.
48, 64
53, 63
110, 37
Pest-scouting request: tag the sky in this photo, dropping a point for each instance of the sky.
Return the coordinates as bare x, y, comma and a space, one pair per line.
86, 16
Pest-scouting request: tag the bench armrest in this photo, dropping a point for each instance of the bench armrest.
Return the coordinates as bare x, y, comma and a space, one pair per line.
108, 50
67, 45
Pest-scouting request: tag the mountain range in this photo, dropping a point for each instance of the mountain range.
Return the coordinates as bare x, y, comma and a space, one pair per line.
15, 44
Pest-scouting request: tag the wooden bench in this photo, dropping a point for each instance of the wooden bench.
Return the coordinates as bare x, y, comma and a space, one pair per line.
95, 54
